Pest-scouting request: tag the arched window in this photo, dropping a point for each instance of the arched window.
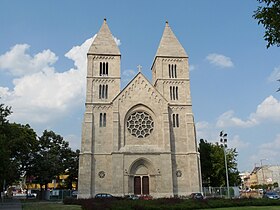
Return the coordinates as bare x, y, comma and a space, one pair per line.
102, 120
169, 68
175, 120
103, 68
174, 93
106, 91
103, 91
106, 69
100, 69
100, 91
175, 71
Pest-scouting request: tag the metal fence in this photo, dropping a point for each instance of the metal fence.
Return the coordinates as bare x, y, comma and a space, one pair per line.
220, 192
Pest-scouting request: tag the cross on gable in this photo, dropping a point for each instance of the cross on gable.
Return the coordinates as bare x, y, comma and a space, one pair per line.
139, 68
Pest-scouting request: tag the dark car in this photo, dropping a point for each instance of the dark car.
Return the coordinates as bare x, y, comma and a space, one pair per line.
103, 195
271, 195
196, 196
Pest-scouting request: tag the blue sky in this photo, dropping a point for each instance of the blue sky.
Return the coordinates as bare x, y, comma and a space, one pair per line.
233, 76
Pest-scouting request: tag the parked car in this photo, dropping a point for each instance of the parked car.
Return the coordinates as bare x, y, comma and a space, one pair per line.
74, 194
271, 195
196, 196
131, 197
103, 195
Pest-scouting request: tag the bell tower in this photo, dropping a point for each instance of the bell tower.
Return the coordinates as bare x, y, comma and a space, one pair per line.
170, 76
103, 84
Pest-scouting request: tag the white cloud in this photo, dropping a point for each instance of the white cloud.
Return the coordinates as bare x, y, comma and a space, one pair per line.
275, 75
18, 62
268, 151
219, 60
268, 110
43, 94
227, 119
118, 42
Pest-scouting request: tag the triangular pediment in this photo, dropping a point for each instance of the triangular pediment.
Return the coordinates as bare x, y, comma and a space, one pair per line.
139, 87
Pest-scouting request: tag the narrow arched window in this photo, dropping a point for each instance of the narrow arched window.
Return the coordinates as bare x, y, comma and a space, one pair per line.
103, 92
169, 68
103, 68
100, 91
104, 120
170, 92
177, 120
172, 71
106, 91
176, 93
173, 120
175, 71
100, 69
106, 69
100, 120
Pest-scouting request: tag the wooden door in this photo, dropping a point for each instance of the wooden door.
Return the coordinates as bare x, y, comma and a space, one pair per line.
137, 185
145, 185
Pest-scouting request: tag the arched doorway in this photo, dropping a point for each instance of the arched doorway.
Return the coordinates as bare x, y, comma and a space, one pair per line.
141, 177
141, 185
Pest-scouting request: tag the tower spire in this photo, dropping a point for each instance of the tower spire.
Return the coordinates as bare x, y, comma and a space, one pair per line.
104, 43
169, 45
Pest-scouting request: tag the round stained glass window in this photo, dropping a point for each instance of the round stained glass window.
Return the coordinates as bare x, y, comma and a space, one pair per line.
140, 124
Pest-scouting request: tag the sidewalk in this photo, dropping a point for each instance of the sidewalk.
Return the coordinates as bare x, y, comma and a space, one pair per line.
10, 204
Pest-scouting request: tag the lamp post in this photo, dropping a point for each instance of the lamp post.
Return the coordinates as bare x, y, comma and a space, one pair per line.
223, 141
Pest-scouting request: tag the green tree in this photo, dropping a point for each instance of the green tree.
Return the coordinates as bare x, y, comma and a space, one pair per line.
17, 143
268, 14
51, 158
72, 168
213, 165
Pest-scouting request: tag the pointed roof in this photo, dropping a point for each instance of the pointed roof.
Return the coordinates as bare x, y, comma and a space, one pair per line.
169, 45
104, 42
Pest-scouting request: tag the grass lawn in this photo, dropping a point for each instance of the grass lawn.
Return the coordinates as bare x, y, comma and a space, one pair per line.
251, 208
49, 206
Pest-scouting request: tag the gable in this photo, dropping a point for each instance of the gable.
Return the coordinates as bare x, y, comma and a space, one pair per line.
140, 90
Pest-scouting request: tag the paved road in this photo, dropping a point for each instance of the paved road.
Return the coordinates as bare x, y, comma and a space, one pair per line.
12, 204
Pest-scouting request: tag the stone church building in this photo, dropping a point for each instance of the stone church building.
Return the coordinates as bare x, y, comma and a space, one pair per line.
139, 140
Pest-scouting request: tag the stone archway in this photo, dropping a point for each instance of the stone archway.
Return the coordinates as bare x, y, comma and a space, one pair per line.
141, 177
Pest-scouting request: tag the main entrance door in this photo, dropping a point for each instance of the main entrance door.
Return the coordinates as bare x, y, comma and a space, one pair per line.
141, 185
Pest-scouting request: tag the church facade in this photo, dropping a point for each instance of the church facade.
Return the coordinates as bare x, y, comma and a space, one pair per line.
139, 140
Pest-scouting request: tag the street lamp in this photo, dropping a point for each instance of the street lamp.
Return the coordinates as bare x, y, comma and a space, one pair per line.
223, 141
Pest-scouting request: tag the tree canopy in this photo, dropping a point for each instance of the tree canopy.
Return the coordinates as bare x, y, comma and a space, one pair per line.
17, 143
213, 165
268, 14
23, 153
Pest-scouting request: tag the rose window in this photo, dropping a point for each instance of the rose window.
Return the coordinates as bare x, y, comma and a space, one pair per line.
140, 124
